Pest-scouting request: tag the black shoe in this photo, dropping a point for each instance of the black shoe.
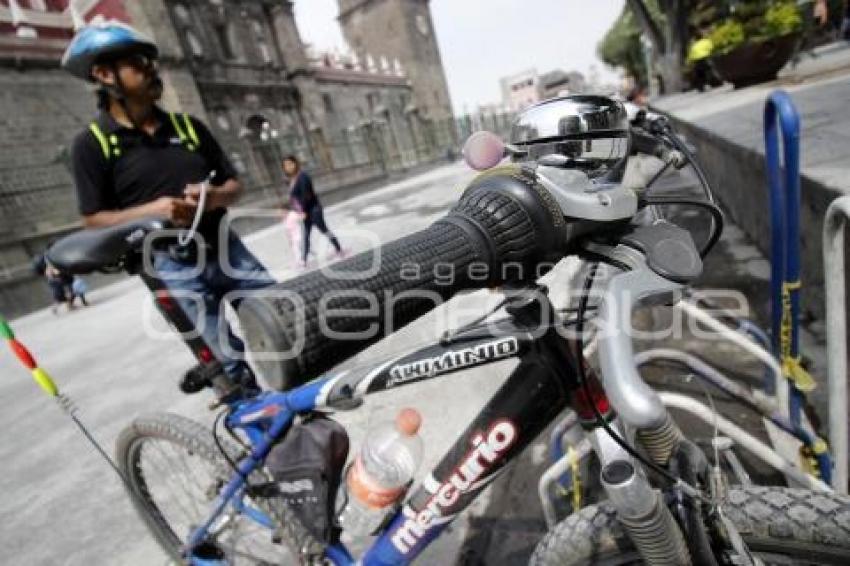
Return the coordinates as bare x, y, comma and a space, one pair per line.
248, 381
196, 379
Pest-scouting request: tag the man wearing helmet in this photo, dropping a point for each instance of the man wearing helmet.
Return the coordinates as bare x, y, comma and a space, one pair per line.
136, 160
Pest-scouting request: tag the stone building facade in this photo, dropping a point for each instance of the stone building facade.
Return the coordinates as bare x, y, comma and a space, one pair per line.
403, 29
239, 65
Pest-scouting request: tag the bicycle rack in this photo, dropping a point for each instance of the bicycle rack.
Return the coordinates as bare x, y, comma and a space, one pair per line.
784, 193
836, 335
764, 452
782, 364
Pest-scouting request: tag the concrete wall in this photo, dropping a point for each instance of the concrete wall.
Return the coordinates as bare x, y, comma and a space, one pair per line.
738, 176
40, 113
727, 126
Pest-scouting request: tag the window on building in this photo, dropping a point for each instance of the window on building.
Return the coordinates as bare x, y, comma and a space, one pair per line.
195, 44
223, 36
328, 102
373, 99
222, 120
262, 43
182, 14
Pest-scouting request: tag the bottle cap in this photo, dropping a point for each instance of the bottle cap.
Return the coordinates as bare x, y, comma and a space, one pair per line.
407, 421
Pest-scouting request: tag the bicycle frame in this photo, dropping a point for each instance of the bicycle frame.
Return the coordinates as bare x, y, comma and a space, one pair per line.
537, 390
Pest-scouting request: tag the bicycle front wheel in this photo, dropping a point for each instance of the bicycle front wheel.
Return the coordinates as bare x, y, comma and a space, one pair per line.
175, 471
782, 526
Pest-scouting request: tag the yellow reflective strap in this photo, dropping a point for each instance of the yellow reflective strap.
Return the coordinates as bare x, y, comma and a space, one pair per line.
45, 382
101, 138
116, 150
177, 127
191, 129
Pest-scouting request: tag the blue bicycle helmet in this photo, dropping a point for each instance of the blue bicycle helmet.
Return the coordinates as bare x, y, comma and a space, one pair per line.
96, 42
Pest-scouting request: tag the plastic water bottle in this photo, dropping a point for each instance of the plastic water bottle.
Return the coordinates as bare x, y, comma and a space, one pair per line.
380, 473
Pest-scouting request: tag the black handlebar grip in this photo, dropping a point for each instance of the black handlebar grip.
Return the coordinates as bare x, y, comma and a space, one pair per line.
300, 328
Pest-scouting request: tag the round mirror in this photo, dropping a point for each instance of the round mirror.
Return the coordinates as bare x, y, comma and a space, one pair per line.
483, 150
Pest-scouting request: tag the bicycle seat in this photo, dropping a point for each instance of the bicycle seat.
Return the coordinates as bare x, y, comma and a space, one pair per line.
98, 248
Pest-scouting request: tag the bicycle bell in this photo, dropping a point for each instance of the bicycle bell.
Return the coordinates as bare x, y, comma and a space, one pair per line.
579, 145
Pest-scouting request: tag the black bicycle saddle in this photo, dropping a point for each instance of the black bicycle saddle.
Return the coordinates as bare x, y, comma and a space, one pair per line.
98, 248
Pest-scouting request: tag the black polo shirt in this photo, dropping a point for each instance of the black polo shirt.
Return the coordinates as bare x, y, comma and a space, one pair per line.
149, 167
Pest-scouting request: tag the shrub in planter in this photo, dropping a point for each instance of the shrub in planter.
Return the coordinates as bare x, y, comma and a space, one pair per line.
753, 46
726, 36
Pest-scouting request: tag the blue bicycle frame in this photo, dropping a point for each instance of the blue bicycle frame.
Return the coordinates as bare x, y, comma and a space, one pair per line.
537, 390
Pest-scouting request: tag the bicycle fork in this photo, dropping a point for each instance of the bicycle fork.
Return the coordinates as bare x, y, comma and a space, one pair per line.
640, 508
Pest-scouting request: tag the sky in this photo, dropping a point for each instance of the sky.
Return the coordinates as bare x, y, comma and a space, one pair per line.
482, 41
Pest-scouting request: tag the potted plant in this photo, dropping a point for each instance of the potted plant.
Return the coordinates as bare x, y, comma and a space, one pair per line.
754, 43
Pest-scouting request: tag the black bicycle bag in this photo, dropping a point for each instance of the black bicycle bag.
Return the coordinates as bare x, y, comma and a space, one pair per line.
307, 468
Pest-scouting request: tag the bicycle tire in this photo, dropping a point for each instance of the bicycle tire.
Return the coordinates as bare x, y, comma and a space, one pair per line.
188, 438
777, 523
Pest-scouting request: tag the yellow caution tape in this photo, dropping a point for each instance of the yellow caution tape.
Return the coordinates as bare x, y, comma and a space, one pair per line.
808, 461
820, 446
792, 369
573, 457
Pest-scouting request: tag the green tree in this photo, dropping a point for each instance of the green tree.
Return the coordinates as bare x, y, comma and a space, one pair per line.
667, 24
668, 35
621, 46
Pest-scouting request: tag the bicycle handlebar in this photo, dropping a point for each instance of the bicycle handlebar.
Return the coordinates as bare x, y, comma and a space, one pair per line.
299, 328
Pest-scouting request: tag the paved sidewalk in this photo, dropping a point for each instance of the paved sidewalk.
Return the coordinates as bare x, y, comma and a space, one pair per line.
62, 505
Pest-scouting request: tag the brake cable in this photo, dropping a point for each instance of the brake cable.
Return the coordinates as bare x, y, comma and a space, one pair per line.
713, 209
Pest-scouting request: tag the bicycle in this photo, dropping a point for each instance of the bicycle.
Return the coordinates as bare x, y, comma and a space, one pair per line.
667, 504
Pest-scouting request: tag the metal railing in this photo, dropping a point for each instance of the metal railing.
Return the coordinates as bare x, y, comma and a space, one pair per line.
836, 335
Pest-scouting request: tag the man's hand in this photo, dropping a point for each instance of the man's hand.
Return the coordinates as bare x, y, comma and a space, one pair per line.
217, 196
179, 211
192, 194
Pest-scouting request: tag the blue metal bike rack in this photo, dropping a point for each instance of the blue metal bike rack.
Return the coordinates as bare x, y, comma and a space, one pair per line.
784, 210
783, 178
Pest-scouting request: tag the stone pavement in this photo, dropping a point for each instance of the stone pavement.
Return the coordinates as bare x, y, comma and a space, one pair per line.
820, 89
62, 505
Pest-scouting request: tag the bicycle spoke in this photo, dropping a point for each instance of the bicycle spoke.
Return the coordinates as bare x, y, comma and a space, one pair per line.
175, 498
179, 485
187, 479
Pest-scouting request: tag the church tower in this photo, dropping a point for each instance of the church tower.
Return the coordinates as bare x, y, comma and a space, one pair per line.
403, 30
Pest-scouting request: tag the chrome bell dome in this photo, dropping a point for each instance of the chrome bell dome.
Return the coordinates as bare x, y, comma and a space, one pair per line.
588, 132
